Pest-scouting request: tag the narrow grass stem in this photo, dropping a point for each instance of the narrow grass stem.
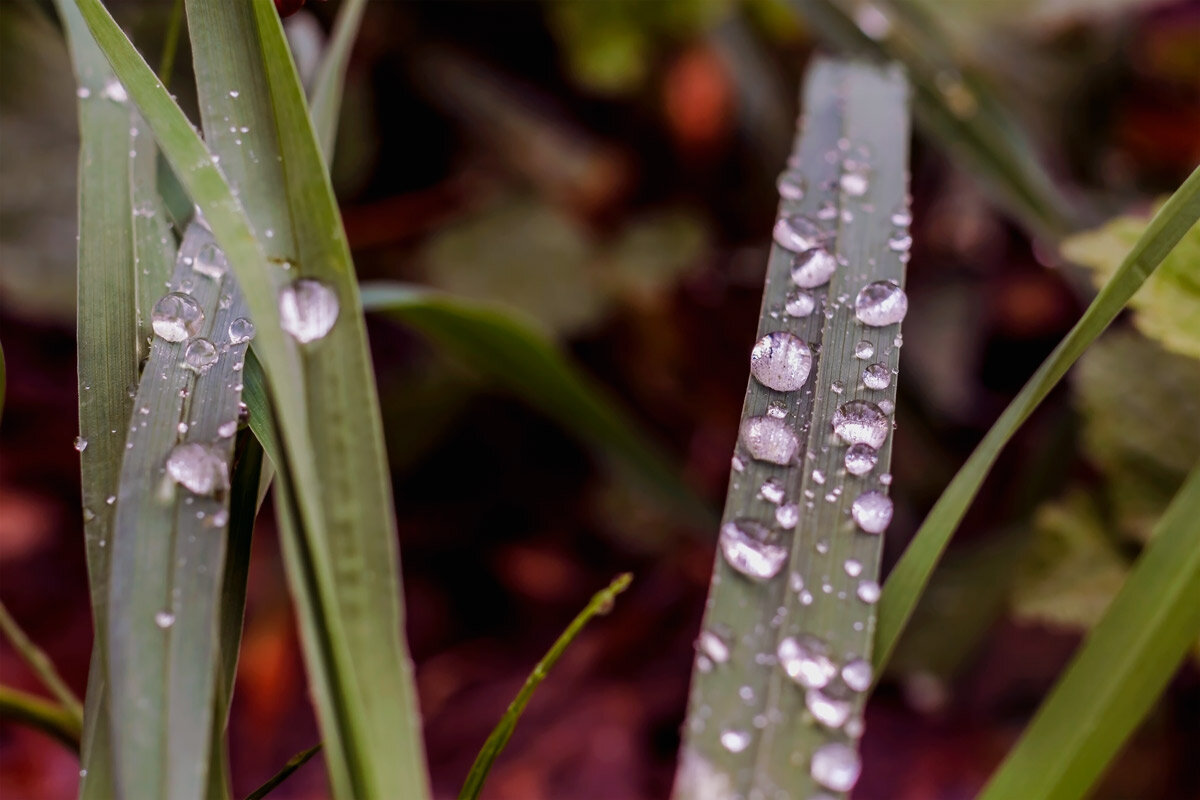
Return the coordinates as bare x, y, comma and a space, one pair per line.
47, 717
42, 666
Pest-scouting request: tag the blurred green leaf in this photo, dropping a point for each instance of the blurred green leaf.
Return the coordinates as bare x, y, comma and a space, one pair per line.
1167, 308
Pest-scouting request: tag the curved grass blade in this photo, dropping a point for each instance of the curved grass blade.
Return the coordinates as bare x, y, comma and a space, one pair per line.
910, 575
294, 763
792, 562
50, 718
41, 665
516, 356
326, 103
1121, 669
953, 106
600, 603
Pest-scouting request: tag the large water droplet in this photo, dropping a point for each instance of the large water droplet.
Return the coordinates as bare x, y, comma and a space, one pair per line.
176, 317
735, 741
241, 330
81, 444
307, 309
861, 459
877, 376
199, 355
881, 303
714, 646
857, 674
210, 262
872, 511
197, 468
860, 422
799, 304
813, 267
830, 705
781, 361
835, 766
805, 659
796, 232
752, 549
769, 439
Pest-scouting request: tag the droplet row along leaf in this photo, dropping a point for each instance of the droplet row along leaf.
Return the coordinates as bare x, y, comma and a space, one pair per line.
783, 658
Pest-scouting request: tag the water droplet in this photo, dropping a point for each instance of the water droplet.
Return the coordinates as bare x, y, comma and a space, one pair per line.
818, 477
199, 355
872, 21
902, 218
805, 659
737, 464
872, 511
868, 591
886, 479
857, 674
752, 549
227, 429
307, 309
864, 349
114, 90
787, 516
735, 741
712, 645
197, 468
813, 267
111, 499
854, 184
777, 410
900, 244
210, 262
796, 232
830, 705
877, 376
860, 422
233, 92
81, 444
853, 567
861, 459
835, 766
241, 330
790, 185
881, 303
83, 92
771, 491
769, 439
781, 361
88, 514
164, 619
176, 317
837, 387
799, 304
887, 406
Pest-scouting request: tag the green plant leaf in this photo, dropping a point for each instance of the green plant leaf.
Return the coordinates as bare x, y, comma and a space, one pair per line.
294, 763
326, 102
50, 718
1167, 308
513, 353
42, 666
748, 733
600, 603
910, 575
1119, 672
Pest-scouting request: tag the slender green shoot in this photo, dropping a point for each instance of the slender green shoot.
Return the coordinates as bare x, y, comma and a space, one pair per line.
50, 718
294, 763
600, 603
166, 62
41, 665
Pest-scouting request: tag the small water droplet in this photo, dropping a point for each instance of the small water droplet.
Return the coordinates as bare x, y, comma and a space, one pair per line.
199, 355
790, 185
769, 439
887, 406
777, 410
872, 511
233, 93
868, 591
111, 499
830, 705
182, 427
805, 659
80, 444
799, 304
164, 619
900, 244
241, 330
88, 514
813, 267
735, 741
714, 646
787, 516
872, 21
886, 479
854, 184
835, 766
737, 464
861, 459
881, 303
752, 549
176, 317
837, 387
857, 674
860, 422
877, 376
818, 477
902, 218
307, 309
796, 232
781, 361
227, 429
83, 92
853, 567
197, 468
210, 262
864, 350
114, 90
771, 491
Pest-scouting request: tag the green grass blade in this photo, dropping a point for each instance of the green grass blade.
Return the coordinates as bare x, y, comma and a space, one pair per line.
50, 718
516, 356
168, 552
294, 763
953, 106
41, 665
911, 574
748, 733
326, 103
1119, 672
600, 603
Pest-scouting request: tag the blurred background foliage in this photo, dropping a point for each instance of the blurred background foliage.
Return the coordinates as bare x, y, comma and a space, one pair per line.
607, 170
